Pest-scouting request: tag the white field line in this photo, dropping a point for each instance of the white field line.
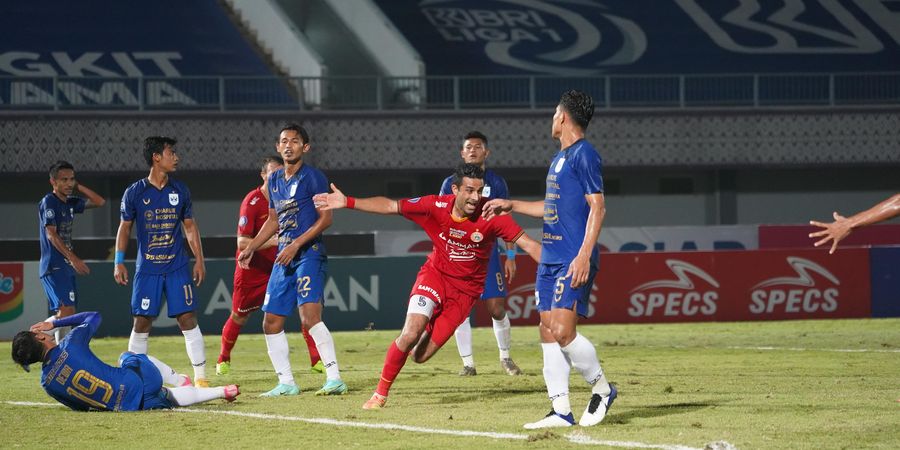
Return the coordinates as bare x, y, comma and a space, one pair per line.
784, 349
576, 438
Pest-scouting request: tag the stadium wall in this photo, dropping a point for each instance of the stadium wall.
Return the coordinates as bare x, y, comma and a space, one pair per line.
369, 293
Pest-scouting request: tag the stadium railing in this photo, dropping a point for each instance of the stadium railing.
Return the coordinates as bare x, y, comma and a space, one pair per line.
445, 92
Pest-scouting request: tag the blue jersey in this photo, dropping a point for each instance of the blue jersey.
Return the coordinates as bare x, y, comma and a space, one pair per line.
574, 173
158, 215
292, 201
60, 214
494, 186
75, 377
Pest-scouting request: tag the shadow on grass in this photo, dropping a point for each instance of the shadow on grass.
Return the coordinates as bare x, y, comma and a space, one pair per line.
655, 411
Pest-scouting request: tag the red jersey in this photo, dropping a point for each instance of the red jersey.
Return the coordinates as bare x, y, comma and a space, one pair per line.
254, 212
462, 248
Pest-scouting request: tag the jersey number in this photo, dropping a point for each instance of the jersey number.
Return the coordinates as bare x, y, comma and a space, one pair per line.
303, 286
188, 294
86, 385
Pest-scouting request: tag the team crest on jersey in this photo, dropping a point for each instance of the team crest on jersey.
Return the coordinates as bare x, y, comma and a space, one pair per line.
293, 189
71, 296
49, 214
145, 303
173, 198
477, 237
486, 192
242, 221
559, 165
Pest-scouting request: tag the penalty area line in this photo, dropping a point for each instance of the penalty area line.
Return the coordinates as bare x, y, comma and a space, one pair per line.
574, 437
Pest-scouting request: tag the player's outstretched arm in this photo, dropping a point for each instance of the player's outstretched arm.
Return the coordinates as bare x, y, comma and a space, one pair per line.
192, 233
94, 200
842, 226
499, 206
530, 246
120, 273
270, 226
337, 200
80, 267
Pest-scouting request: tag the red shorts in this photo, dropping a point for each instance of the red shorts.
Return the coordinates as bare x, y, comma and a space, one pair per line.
452, 305
247, 299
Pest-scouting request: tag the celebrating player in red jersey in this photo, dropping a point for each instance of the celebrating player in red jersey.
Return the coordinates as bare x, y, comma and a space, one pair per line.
250, 284
452, 277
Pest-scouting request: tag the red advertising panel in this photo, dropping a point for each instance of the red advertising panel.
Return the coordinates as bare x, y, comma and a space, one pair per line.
713, 286
797, 236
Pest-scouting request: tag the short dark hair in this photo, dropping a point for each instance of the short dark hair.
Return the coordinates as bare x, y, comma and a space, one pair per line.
26, 349
156, 144
466, 170
271, 159
476, 135
579, 105
300, 130
60, 165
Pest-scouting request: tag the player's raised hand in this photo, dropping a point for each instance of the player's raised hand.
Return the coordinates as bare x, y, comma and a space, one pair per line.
335, 200
120, 273
199, 273
244, 257
41, 326
496, 207
834, 231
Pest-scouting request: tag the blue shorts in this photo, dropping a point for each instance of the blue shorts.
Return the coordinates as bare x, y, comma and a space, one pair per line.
552, 291
59, 285
301, 281
154, 396
495, 283
146, 297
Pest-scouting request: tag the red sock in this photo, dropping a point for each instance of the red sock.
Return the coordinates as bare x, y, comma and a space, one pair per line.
393, 362
311, 346
230, 333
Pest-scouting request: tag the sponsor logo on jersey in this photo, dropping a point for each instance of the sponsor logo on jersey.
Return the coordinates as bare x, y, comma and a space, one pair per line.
414, 200
457, 233
440, 204
242, 222
148, 215
678, 297
253, 201
429, 290
550, 214
49, 214
146, 202
799, 294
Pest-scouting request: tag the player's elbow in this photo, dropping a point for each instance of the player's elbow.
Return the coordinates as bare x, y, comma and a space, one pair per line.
100, 202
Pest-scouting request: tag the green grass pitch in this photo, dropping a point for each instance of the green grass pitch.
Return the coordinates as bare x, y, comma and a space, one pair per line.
798, 384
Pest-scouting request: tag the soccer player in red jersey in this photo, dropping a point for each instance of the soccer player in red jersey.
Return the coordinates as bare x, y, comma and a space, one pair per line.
452, 277
250, 284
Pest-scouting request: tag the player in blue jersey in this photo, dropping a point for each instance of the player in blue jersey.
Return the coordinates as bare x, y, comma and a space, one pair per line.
59, 263
573, 210
160, 208
299, 275
474, 151
75, 377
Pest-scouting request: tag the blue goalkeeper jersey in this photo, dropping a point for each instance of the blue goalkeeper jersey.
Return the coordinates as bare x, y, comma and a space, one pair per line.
75, 377
293, 204
574, 173
158, 215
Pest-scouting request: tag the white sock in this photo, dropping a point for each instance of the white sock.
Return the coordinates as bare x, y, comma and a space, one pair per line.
193, 342
501, 332
584, 359
464, 343
190, 395
325, 345
279, 354
556, 376
169, 375
137, 343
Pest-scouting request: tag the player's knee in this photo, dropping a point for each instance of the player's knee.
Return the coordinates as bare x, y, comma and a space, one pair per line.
238, 318
187, 321
407, 340
562, 334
